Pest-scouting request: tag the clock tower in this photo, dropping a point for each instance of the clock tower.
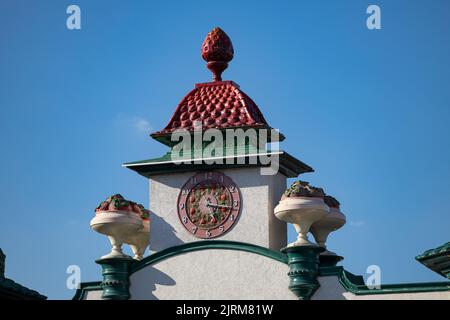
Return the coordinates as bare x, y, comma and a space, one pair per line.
221, 192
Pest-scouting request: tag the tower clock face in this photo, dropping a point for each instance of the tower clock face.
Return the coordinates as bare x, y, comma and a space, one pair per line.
209, 204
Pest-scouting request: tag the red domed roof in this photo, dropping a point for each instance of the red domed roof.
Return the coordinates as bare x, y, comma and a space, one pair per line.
219, 104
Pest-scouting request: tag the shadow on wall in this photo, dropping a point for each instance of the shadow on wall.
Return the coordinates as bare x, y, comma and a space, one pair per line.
145, 292
165, 237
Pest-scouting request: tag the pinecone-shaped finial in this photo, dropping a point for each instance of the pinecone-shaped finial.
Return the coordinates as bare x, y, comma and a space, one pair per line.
217, 50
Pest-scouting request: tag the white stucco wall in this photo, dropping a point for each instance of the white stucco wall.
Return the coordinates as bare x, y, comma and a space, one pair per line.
213, 274
330, 289
256, 224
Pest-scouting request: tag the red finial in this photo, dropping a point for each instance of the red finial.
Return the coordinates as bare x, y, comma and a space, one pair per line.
217, 50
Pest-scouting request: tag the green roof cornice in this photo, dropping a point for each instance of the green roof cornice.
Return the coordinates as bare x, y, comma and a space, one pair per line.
248, 157
437, 259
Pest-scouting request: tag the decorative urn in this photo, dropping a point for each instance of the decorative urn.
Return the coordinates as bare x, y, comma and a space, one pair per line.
123, 221
302, 205
140, 239
329, 223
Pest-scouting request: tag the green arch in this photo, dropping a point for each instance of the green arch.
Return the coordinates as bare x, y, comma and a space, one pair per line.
207, 245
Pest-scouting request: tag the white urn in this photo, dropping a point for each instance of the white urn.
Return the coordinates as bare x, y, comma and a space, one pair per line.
123, 221
118, 226
322, 228
139, 240
302, 212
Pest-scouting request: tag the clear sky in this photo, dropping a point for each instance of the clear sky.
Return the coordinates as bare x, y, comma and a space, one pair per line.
368, 110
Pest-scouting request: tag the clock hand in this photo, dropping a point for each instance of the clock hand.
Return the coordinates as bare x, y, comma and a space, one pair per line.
208, 204
217, 205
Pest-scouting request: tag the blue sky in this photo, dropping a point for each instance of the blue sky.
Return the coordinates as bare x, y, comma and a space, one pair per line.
368, 110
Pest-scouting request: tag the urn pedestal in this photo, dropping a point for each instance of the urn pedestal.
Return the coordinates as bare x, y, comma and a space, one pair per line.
322, 228
302, 212
139, 240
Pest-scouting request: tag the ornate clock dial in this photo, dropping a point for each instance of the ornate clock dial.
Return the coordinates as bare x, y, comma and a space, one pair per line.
209, 204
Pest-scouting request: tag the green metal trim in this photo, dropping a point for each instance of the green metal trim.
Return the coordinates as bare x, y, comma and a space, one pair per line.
355, 284
304, 269
207, 245
85, 287
116, 282
288, 165
195, 152
329, 260
437, 260
330, 271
